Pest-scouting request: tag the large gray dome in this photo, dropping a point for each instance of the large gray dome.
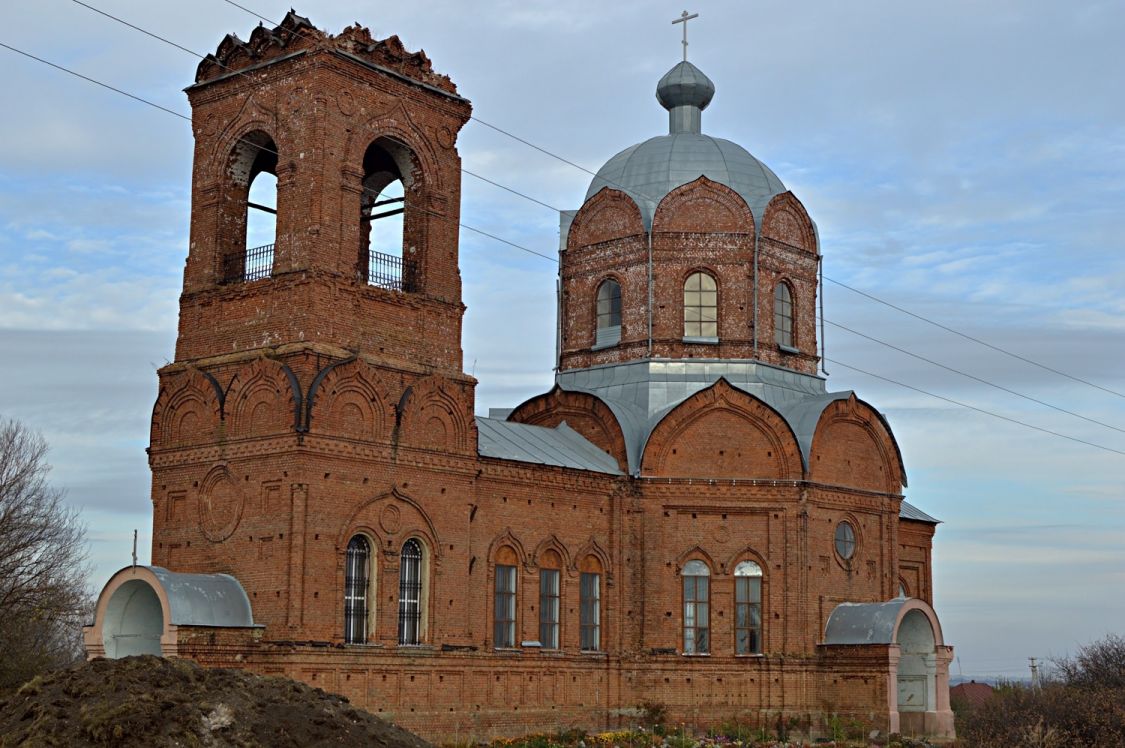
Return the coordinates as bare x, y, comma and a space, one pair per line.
648, 171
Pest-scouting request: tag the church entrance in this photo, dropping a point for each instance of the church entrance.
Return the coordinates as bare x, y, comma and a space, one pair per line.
134, 621
917, 670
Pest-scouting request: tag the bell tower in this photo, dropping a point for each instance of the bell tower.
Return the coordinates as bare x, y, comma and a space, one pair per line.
318, 363
360, 134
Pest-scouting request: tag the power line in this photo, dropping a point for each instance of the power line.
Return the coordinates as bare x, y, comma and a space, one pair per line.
971, 376
966, 336
530, 251
260, 147
978, 410
158, 37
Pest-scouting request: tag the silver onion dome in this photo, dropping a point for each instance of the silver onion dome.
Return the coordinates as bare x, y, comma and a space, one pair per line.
648, 171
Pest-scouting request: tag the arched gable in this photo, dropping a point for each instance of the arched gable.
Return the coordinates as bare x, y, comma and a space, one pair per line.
188, 409
434, 418
583, 412
350, 398
853, 446
722, 432
507, 538
787, 221
262, 398
593, 548
703, 206
391, 518
552, 543
747, 553
696, 553
610, 214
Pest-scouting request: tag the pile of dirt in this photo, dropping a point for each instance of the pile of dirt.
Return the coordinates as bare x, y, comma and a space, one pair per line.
149, 701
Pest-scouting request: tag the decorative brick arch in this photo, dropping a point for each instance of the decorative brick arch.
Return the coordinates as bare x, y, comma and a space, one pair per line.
350, 398
188, 409
787, 221
747, 553
507, 538
552, 543
433, 418
593, 548
390, 518
395, 123
262, 398
696, 553
703, 206
722, 432
853, 446
583, 412
608, 215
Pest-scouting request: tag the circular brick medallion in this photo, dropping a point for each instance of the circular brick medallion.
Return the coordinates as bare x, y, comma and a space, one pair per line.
391, 519
220, 505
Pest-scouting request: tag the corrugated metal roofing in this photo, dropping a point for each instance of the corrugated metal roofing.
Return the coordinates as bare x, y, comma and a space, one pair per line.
561, 446
909, 511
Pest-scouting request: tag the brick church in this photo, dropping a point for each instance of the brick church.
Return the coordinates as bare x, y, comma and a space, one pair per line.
689, 517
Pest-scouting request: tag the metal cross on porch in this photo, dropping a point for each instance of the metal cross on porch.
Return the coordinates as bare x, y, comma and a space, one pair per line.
684, 18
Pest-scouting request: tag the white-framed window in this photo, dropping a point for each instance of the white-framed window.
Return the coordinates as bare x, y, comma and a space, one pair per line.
504, 607
608, 313
549, 608
697, 604
701, 306
590, 611
747, 608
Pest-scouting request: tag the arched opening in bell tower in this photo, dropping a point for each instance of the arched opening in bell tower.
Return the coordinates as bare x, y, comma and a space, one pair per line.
251, 209
386, 258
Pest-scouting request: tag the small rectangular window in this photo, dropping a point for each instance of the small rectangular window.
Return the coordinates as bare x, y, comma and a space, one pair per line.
549, 608
504, 618
590, 619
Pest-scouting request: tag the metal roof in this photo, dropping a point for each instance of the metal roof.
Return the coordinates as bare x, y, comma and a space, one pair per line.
864, 623
648, 171
909, 511
204, 599
561, 446
641, 393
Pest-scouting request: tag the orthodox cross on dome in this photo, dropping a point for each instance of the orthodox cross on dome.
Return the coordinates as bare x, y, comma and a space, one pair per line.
684, 18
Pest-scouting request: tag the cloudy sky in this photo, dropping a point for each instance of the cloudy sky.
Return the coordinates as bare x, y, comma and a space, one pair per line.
963, 160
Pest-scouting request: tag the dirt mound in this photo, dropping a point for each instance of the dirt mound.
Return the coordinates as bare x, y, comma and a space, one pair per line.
149, 701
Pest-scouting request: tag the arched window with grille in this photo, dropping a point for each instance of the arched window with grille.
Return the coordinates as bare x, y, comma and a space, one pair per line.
747, 608
357, 576
410, 593
608, 314
783, 316
701, 307
697, 607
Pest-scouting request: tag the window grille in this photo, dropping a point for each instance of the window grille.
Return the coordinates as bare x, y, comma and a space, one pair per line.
410, 593
549, 608
356, 573
783, 315
253, 264
748, 608
504, 616
697, 639
589, 602
701, 307
388, 271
